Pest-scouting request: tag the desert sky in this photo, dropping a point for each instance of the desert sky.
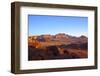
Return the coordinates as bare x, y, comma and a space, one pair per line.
46, 24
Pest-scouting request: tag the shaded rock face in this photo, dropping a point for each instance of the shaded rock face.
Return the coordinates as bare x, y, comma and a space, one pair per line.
43, 54
76, 46
53, 52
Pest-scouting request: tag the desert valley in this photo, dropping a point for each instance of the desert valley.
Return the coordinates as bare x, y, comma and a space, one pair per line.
58, 46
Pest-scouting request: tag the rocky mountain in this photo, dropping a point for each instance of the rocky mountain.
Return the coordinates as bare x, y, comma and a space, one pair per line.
60, 38
59, 46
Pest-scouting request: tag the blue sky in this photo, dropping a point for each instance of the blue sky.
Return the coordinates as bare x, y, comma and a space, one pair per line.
45, 24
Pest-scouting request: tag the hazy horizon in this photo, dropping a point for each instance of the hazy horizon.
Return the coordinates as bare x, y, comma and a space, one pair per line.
71, 25
59, 33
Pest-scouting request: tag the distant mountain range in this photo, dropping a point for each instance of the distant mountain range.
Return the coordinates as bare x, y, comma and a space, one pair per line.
59, 39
